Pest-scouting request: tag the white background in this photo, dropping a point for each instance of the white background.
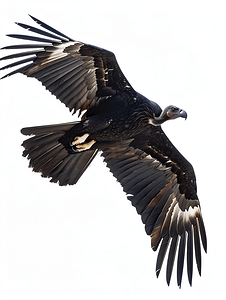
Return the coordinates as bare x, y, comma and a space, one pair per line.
87, 241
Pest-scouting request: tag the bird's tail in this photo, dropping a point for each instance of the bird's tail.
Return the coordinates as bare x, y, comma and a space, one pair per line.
48, 156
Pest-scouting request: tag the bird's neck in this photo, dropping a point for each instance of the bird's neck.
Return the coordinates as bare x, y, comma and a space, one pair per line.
156, 121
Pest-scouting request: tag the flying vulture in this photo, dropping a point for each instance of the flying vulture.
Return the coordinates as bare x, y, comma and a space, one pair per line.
122, 124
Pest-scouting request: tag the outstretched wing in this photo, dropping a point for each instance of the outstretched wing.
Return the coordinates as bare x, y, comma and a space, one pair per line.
73, 71
161, 184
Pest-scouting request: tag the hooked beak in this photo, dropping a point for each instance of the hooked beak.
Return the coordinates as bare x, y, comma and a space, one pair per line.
183, 114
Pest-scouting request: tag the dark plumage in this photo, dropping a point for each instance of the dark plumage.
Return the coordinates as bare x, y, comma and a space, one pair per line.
126, 127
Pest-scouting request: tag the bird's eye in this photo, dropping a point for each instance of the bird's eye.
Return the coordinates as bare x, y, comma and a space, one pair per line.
174, 109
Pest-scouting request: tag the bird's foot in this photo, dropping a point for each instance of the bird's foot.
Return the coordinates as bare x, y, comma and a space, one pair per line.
79, 144
79, 139
86, 146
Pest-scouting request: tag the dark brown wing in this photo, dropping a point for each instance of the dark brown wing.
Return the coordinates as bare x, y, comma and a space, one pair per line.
73, 71
160, 183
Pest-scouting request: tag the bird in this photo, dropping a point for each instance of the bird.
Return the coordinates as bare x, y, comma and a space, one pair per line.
125, 127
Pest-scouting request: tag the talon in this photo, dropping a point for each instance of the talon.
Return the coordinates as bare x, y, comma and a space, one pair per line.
79, 139
86, 146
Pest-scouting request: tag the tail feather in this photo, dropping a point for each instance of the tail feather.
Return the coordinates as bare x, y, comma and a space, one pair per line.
39, 130
48, 156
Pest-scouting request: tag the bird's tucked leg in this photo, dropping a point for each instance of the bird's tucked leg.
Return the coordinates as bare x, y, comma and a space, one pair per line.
80, 139
86, 146
79, 144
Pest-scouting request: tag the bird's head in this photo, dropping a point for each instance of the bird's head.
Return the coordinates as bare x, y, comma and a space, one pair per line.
171, 112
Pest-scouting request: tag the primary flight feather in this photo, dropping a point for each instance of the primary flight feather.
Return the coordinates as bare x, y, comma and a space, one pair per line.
122, 124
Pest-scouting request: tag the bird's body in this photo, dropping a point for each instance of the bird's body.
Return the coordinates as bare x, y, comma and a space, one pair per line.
116, 118
122, 124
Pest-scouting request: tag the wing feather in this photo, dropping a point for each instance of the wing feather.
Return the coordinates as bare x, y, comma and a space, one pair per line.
171, 257
25, 46
190, 254
31, 38
153, 211
180, 261
197, 248
42, 32
162, 253
44, 25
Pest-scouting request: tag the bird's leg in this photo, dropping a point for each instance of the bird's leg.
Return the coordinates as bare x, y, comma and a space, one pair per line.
79, 143
80, 139
86, 146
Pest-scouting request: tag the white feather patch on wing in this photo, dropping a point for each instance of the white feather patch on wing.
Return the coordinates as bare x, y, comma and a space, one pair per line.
59, 51
186, 215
